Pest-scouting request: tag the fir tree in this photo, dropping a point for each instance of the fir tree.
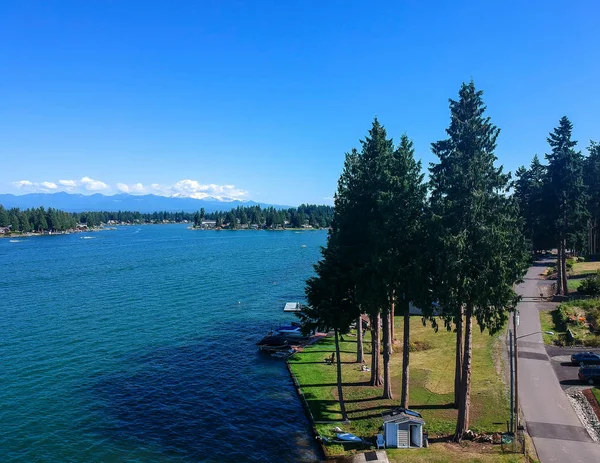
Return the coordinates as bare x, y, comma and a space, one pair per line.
480, 246
566, 196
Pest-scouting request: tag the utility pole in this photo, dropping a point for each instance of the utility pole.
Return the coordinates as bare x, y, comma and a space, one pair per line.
512, 409
515, 324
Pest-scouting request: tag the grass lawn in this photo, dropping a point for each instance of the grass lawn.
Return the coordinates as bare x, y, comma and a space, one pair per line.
596, 392
547, 322
431, 390
582, 268
573, 283
450, 453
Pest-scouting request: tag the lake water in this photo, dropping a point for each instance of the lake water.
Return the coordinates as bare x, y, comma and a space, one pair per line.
138, 345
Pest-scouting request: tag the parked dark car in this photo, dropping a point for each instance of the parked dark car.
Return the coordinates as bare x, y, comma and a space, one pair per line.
585, 358
590, 374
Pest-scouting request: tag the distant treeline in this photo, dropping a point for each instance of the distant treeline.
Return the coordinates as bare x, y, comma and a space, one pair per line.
41, 219
305, 214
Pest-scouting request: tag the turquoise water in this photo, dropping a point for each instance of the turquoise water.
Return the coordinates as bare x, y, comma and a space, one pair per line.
137, 345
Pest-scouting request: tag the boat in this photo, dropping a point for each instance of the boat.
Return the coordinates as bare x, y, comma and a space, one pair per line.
271, 343
291, 331
347, 438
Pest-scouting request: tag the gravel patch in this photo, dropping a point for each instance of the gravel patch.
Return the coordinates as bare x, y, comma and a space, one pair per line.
585, 412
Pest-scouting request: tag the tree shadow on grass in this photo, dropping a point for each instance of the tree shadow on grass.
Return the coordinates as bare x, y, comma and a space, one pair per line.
311, 351
334, 384
321, 363
433, 406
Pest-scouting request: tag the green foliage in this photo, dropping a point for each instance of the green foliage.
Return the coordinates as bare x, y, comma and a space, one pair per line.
529, 194
590, 286
564, 189
476, 231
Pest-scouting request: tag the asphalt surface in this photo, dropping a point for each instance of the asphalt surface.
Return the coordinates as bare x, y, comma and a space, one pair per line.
555, 428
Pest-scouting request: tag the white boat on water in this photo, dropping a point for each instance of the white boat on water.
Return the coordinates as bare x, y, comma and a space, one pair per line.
289, 331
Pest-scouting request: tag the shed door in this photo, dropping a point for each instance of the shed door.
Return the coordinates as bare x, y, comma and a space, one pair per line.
391, 435
402, 438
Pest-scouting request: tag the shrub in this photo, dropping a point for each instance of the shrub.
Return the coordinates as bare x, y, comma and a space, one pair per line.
592, 342
593, 318
417, 346
590, 286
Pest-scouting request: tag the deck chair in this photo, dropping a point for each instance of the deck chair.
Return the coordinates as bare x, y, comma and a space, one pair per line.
380, 441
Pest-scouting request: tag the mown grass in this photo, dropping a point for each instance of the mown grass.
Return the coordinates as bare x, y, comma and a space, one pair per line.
583, 268
574, 283
450, 453
547, 320
596, 392
431, 388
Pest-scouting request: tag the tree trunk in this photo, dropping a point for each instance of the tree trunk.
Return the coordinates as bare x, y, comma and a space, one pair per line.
392, 318
376, 379
339, 378
459, 357
387, 352
564, 268
405, 354
360, 352
462, 423
559, 280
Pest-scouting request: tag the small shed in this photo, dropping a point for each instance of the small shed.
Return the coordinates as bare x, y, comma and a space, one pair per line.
403, 428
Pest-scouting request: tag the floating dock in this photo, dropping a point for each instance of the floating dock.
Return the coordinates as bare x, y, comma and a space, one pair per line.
292, 307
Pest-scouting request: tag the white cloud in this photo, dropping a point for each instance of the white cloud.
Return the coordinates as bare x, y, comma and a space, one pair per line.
93, 185
186, 188
34, 187
68, 183
23, 183
122, 188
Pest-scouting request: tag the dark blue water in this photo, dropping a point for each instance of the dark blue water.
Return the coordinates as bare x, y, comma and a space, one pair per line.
137, 345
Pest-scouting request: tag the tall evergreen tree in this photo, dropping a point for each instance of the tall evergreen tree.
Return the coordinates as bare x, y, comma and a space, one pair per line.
529, 194
566, 195
591, 178
330, 303
4, 220
482, 251
403, 197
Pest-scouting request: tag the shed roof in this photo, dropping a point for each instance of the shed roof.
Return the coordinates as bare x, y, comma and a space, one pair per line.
404, 419
400, 415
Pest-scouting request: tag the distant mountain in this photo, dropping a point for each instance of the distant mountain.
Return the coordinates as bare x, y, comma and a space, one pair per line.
121, 202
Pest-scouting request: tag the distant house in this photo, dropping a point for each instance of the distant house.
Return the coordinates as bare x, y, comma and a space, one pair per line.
254, 226
209, 224
5, 230
403, 428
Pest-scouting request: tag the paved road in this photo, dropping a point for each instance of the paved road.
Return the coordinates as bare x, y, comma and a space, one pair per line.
557, 432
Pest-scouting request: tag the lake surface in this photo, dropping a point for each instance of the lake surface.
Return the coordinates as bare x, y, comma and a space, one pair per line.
138, 345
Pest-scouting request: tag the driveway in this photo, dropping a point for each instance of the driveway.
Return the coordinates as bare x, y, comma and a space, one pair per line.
555, 428
565, 371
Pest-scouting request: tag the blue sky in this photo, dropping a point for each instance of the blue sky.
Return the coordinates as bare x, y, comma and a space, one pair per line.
261, 99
